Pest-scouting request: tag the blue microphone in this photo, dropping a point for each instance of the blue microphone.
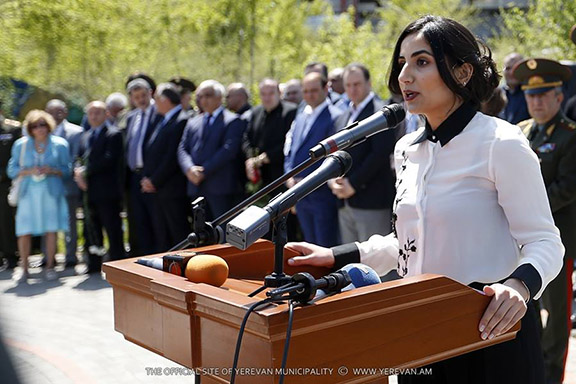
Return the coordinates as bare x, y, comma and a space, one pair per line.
361, 275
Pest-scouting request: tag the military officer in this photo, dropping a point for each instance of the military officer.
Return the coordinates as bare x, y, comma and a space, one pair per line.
10, 131
553, 137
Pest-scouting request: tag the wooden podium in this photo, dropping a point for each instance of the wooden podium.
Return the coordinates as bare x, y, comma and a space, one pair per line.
358, 336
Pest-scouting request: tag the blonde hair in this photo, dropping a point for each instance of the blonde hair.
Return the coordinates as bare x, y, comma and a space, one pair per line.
35, 116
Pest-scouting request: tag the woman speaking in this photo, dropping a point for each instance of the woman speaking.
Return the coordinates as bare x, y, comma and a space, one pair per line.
470, 202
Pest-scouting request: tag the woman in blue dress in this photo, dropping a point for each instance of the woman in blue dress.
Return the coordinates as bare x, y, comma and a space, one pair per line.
42, 208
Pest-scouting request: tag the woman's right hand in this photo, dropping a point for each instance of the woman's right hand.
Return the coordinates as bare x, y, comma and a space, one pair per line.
312, 254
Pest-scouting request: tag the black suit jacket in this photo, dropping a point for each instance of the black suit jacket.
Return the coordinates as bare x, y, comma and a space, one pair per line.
161, 157
104, 163
266, 132
371, 174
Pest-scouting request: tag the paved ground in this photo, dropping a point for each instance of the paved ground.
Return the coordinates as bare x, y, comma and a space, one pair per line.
62, 332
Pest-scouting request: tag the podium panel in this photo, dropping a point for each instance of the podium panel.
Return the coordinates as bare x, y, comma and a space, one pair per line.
359, 336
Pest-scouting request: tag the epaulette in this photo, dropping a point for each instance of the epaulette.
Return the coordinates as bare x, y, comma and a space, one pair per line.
12, 123
567, 124
526, 126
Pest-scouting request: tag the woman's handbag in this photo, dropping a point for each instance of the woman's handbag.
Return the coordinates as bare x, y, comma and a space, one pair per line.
14, 192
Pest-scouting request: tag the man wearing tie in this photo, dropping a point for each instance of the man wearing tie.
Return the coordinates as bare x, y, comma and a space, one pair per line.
317, 212
553, 137
73, 134
163, 184
100, 177
209, 152
140, 125
366, 192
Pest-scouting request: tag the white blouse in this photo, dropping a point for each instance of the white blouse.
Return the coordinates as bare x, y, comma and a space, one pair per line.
474, 209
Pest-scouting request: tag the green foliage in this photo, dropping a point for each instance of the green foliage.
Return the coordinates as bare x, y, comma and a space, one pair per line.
85, 49
540, 31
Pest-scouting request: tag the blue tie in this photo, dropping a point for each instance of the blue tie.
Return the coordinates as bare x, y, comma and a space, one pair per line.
134, 143
92, 138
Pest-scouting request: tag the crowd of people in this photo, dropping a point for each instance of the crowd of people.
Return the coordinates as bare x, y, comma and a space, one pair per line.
457, 178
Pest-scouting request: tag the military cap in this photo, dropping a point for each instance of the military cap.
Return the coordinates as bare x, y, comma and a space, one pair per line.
573, 34
540, 75
184, 84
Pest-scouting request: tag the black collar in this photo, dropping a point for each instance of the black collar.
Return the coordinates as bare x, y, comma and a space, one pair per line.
450, 128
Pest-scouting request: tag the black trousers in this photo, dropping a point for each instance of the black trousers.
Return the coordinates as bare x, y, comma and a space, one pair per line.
141, 219
8, 245
515, 361
171, 221
104, 215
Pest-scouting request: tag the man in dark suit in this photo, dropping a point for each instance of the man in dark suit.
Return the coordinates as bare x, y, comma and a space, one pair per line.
140, 125
101, 178
163, 184
516, 109
367, 191
10, 131
238, 100
317, 212
73, 134
209, 152
553, 137
264, 138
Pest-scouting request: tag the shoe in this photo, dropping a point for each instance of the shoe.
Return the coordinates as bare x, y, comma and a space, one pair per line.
70, 264
38, 264
51, 275
22, 278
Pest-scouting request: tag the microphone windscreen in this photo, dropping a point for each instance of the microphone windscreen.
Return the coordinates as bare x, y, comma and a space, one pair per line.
209, 269
361, 276
394, 113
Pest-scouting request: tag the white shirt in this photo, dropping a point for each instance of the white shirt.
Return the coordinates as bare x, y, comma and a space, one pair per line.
306, 118
473, 210
142, 114
355, 111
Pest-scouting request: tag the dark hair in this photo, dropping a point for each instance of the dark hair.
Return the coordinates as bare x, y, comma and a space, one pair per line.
316, 66
452, 45
357, 66
170, 91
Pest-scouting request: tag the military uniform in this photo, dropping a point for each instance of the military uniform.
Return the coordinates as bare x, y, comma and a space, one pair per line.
555, 145
9, 132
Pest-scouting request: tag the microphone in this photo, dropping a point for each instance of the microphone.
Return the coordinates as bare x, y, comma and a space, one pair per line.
208, 269
254, 222
303, 286
361, 275
386, 118
154, 262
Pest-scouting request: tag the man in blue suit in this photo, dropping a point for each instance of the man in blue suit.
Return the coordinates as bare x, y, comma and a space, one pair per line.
318, 212
140, 125
163, 185
209, 152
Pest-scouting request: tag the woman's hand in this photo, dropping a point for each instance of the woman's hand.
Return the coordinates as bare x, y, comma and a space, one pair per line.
508, 305
312, 255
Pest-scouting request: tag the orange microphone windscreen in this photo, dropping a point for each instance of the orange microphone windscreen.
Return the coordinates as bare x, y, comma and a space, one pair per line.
207, 269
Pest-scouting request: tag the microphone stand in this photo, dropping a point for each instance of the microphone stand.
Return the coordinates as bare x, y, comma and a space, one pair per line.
206, 233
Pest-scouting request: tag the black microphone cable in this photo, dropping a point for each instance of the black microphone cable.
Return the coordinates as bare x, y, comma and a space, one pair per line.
241, 333
251, 309
287, 342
